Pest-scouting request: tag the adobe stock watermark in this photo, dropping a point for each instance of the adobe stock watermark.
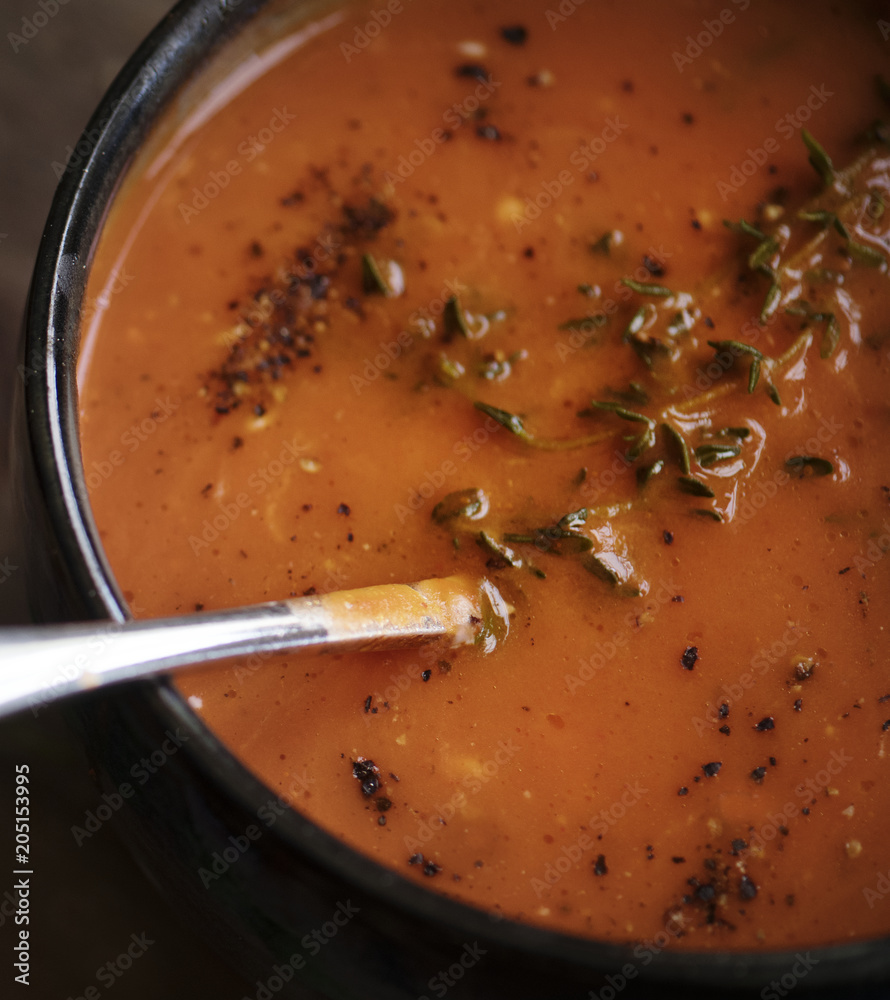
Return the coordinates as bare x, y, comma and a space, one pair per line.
120, 279
444, 979
311, 944
377, 22
435, 479
760, 664
421, 320
237, 845
76, 156
781, 987
102, 469
607, 650
248, 150
571, 855
420, 670
787, 127
265, 305
584, 331
712, 29
111, 972
562, 13
470, 784
141, 772
228, 511
581, 160
83, 656
453, 118
6, 570
44, 12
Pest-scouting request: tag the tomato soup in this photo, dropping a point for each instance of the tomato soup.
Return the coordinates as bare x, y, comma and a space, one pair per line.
590, 301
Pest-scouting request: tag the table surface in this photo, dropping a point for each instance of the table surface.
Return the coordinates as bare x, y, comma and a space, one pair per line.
88, 900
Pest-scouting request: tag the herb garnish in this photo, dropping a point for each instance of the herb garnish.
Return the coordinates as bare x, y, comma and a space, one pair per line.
647, 288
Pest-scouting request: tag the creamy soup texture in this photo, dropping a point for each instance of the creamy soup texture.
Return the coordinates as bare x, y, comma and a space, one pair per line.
589, 300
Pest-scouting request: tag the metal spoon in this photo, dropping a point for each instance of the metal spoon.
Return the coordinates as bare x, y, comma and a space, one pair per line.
42, 663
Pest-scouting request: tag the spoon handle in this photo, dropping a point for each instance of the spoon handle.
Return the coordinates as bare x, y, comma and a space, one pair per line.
39, 664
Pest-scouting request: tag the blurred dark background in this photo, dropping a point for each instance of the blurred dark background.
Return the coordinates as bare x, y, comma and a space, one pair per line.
56, 60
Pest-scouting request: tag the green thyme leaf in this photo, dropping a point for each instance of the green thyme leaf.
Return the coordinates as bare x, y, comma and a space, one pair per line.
824, 218
449, 370
736, 347
454, 319
502, 552
584, 324
471, 504
509, 420
695, 486
714, 515
865, 254
681, 322
647, 472
604, 244
745, 228
620, 411
753, 374
823, 275
574, 520
637, 322
647, 288
818, 158
760, 258
709, 454
383, 278
680, 443
771, 301
811, 465
830, 337
553, 540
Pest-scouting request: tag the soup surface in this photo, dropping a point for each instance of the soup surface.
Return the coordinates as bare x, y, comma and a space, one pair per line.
448, 289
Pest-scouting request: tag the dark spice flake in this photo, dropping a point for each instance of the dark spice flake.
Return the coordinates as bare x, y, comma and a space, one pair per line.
515, 34
747, 888
366, 772
599, 866
475, 71
712, 768
490, 132
758, 774
689, 657
766, 724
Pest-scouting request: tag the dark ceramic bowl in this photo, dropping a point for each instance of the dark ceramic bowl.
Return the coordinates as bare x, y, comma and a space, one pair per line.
296, 911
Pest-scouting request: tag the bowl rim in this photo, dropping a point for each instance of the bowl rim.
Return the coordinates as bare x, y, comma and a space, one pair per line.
173, 54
